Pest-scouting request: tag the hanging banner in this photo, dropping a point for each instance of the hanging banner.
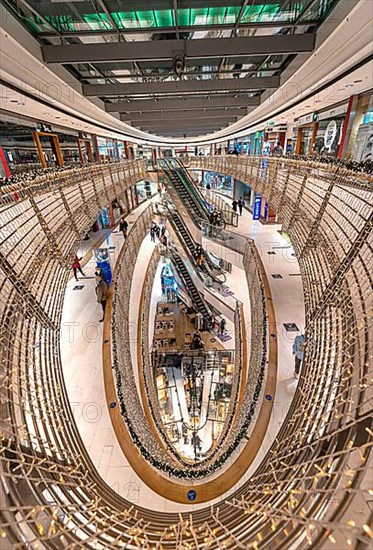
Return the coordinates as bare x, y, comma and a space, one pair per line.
257, 207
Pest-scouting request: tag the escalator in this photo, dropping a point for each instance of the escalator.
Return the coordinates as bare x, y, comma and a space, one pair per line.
191, 288
190, 247
197, 208
190, 184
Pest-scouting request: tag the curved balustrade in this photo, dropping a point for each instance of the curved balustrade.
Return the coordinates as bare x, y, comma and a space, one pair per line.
135, 417
316, 472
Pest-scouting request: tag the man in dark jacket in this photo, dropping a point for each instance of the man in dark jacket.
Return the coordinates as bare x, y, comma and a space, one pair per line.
123, 227
102, 292
240, 205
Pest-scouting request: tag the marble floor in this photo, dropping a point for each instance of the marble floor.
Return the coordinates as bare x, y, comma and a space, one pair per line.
81, 342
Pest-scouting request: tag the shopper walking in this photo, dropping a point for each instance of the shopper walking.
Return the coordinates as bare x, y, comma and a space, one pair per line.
152, 231
102, 292
240, 205
234, 205
223, 324
123, 227
298, 351
77, 267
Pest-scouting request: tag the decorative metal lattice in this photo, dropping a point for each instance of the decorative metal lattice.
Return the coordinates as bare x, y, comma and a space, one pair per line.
315, 476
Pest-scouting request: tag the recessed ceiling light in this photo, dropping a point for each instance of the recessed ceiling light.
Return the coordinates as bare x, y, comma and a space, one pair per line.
349, 85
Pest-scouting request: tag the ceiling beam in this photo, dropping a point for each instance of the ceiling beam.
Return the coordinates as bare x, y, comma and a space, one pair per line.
171, 30
203, 48
181, 86
188, 133
220, 100
196, 113
184, 122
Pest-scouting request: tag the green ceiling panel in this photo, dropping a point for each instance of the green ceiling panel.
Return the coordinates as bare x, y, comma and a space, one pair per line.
266, 13
232, 14
75, 17
37, 26
164, 18
146, 19
98, 22
125, 19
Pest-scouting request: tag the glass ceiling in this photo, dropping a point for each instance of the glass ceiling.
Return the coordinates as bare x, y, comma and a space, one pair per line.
100, 21
110, 16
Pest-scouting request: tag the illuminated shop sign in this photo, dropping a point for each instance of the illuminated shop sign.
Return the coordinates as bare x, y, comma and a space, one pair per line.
257, 207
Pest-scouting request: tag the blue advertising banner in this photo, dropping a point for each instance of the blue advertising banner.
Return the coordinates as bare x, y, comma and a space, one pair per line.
102, 260
257, 207
266, 210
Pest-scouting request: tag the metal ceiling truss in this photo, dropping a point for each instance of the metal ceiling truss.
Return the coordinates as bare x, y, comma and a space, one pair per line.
203, 48
193, 102
171, 30
182, 86
196, 113
187, 122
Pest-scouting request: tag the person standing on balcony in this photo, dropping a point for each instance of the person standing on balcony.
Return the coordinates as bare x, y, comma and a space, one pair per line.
278, 151
77, 267
298, 351
102, 292
234, 205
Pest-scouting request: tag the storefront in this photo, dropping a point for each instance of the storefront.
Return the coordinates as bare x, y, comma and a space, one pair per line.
28, 144
219, 182
329, 131
145, 190
359, 138
272, 136
256, 143
108, 149
169, 284
244, 191
305, 129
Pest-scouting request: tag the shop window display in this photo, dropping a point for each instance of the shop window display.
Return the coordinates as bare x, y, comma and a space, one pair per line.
328, 137
145, 190
219, 182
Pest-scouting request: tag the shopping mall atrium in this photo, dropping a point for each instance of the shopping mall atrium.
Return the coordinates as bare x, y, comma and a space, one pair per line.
186, 274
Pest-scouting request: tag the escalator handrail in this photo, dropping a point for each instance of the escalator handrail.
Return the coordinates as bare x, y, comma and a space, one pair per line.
174, 254
190, 253
189, 178
222, 207
199, 212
